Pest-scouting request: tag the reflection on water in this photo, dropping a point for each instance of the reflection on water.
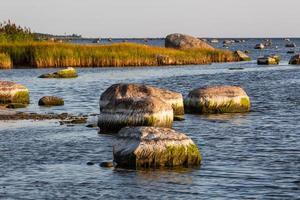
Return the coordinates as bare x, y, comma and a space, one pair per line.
245, 156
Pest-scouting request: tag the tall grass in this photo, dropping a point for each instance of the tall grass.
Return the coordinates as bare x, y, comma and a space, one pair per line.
49, 54
5, 61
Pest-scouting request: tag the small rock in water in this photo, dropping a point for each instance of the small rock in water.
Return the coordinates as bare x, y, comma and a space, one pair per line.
16, 105
90, 163
91, 126
179, 118
107, 164
236, 68
51, 101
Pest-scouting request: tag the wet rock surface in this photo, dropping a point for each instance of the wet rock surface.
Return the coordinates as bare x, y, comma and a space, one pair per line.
70, 72
217, 99
153, 147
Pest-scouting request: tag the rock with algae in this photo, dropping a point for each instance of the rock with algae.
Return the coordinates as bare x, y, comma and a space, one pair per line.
154, 147
150, 111
124, 90
70, 72
217, 99
11, 92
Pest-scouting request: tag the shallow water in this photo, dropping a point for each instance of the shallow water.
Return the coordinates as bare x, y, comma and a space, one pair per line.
245, 156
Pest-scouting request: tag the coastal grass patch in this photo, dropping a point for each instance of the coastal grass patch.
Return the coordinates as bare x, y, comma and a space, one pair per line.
51, 54
5, 61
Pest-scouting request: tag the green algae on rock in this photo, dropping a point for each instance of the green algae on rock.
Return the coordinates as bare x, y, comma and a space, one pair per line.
154, 147
11, 92
217, 99
70, 72
124, 90
51, 101
123, 112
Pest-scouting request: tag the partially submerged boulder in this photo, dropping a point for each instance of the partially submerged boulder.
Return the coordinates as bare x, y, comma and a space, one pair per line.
150, 111
11, 92
242, 56
181, 41
259, 46
131, 90
295, 60
269, 60
217, 99
290, 45
51, 101
153, 147
70, 72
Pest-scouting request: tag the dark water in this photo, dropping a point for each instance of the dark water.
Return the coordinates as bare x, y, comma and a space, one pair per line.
245, 156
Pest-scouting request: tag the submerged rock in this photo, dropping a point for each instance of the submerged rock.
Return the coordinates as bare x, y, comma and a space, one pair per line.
153, 147
217, 99
51, 101
290, 52
11, 92
70, 72
290, 45
295, 60
269, 60
259, 46
16, 105
150, 111
242, 56
123, 90
181, 41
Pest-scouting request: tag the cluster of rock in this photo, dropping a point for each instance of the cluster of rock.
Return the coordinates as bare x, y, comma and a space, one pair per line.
143, 116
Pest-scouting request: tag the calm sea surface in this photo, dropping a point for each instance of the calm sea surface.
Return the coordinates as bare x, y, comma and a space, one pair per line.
245, 156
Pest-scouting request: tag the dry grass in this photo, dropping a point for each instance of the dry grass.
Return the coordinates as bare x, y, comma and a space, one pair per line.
5, 61
49, 54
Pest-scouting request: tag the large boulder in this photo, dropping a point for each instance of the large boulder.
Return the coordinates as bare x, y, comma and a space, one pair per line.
70, 72
217, 99
11, 92
295, 60
269, 60
153, 147
181, 41
51, 101
149, 111
123, 90
242, 56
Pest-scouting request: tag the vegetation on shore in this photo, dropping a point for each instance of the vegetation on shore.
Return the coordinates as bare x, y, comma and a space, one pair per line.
20, 47
5, 61
50, 54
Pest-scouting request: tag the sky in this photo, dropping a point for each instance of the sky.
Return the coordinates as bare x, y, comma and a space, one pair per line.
157, 18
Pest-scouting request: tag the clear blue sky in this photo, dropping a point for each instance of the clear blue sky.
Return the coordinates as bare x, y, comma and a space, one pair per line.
156, 18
